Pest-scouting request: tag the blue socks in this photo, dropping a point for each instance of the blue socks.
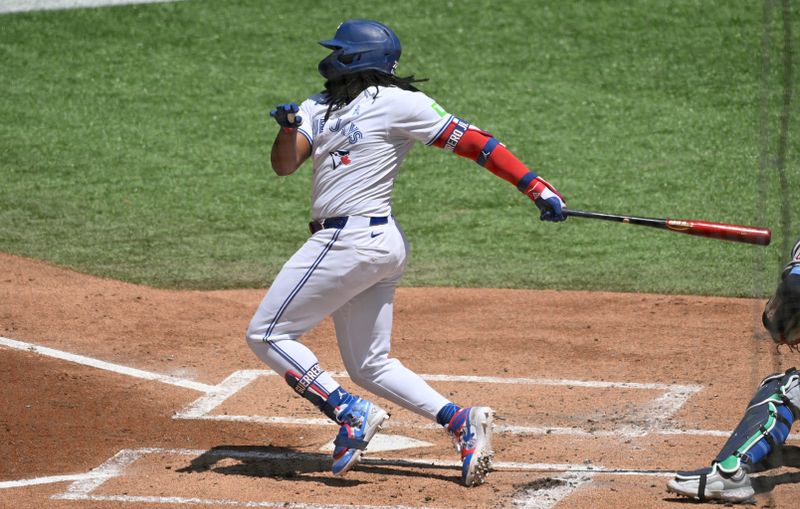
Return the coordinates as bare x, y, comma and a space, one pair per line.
446, 413
342, 398
338, 398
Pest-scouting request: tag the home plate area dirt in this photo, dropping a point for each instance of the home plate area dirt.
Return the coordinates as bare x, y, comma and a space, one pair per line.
117, 395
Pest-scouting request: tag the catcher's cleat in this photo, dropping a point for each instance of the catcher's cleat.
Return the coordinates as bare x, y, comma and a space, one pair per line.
712, 484
471, 431
360, 421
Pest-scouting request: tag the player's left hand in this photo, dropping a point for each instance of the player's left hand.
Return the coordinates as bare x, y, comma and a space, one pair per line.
549, 201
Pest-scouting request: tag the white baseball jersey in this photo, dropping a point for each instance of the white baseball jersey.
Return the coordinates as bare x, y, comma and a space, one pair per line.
351, 271
357, 152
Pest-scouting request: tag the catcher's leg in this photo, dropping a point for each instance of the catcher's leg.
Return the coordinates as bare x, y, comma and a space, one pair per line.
766, 422
764, 427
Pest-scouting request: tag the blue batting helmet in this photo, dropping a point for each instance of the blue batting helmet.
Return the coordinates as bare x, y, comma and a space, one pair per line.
360, 44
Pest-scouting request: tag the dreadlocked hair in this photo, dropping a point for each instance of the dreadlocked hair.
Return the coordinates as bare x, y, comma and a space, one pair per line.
339, 93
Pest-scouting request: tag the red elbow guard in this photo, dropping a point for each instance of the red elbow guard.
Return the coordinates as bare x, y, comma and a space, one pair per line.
467, 141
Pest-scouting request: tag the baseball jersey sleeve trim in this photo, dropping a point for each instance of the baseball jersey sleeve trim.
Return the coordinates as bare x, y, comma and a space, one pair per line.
308, 136
439, 133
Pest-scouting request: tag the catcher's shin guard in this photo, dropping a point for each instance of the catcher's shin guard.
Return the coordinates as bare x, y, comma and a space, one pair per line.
766, 422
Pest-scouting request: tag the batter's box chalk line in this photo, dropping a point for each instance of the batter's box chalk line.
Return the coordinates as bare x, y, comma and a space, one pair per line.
655, 415
537, 495
566, 477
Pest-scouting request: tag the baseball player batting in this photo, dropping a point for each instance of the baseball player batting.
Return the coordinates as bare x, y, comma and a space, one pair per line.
357, 133
767, 418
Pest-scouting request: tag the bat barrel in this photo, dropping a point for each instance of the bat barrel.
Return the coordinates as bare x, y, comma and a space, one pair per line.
708, 229
723, 231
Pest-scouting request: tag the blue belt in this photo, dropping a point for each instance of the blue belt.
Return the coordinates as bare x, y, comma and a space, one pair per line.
340, 222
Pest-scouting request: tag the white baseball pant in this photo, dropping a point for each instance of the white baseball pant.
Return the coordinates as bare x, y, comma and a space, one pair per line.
352, 274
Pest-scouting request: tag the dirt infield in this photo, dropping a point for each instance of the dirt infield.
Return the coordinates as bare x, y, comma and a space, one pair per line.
116, 395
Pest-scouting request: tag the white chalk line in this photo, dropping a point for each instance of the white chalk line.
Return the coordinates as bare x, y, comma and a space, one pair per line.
230, 503
51, 479
7, 6
502, 429
655, 414
85, 483
214, 395
249, 375
107, 366
573, 477
115, 467
82, 489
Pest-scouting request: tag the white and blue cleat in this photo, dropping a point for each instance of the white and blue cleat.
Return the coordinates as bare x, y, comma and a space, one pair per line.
360, 421
471, 431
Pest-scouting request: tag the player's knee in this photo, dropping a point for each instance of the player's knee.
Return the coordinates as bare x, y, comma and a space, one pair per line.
258, 341
791, 391
256, 331
359, 377
370, 370
781, 388
253, 334
256, 345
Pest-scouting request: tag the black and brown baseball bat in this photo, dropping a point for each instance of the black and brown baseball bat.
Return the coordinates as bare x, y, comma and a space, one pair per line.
708, 229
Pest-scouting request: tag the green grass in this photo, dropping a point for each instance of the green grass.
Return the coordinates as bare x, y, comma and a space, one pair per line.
134, 140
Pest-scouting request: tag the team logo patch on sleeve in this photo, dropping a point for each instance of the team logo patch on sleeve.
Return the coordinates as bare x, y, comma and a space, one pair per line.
438, 109
340, 157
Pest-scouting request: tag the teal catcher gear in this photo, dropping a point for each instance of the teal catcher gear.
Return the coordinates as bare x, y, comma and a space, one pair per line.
764, 427
769, 415
766, 422
360, 45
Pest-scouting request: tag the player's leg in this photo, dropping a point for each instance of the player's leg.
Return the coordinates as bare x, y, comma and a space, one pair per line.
307, 289
363, 329
325, 272
764, 427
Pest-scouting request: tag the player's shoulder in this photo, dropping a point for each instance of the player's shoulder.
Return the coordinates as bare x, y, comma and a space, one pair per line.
314, 101
406, 103
402, 94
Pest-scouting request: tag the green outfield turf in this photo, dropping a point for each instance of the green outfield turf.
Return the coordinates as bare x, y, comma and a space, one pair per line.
134, 140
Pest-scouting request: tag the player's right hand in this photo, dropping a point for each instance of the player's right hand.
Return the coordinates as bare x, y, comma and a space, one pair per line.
286, 115
549, 201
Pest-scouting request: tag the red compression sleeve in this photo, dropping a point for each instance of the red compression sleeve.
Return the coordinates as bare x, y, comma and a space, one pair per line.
467, 141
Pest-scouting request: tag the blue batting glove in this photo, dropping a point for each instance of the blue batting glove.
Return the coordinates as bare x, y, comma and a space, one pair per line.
551, 208
549, 201
286, 115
